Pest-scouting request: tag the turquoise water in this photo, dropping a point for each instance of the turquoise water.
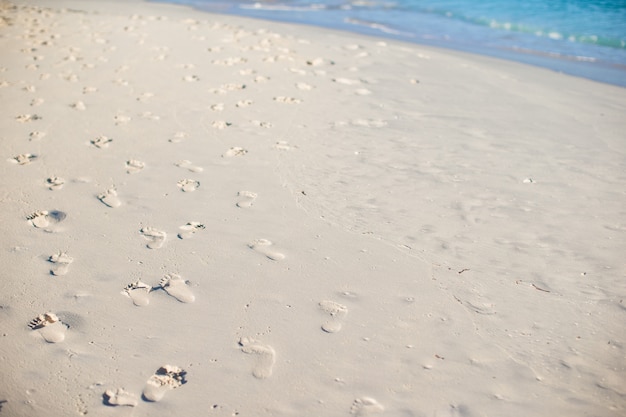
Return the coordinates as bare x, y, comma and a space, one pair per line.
582, 38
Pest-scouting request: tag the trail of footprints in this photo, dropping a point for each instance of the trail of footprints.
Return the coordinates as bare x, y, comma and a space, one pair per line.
261, 356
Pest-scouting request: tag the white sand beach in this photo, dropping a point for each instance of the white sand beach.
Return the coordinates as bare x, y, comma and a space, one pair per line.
205, 215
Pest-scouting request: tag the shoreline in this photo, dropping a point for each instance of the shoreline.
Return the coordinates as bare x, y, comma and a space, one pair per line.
595, 69
214, 215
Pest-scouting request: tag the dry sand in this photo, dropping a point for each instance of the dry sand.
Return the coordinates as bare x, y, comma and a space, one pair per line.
211, 216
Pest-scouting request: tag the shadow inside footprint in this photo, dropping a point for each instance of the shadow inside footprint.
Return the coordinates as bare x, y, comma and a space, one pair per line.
57, 215
41, 219
110, 198
166, 378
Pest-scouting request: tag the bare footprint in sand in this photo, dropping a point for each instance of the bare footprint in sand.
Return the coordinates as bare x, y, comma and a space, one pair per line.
243, 103
166, 378
41, 219
282, 145
247, 199
36, 135
235, 151
156, 237
23, 118
49, 327
55, 183
188, 230
177, 287
337, 313
101, 142
188, 185
260, 123
346, 81
110, 198
178, 137
134, 166
366, 406
288, 100
23, 159
221, 124
61, 262
264, 247
138, 292
121, 119
119, 397
189, 166
79, 105
265, 356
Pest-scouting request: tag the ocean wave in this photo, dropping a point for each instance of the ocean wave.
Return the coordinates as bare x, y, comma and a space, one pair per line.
579, 37
555, 55
555, 35
549, 22
378, 26
552, 31
284, 7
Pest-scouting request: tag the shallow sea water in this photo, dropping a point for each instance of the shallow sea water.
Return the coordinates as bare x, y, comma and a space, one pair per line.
577, 37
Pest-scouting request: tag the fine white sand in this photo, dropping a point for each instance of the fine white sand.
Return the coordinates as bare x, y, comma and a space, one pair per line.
212, 216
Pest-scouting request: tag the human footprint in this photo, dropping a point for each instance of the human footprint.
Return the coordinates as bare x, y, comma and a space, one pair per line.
337, 313
188, 230
178, 137
138, 292
247, 199
188, 185
264, 246
366, 406
166, 378
134, 166
235, 151
156, 237
49, 327
101, 142
23, 159
189, 166
42, 218
265, 356
39, 219
177, 287
61, 262
54, 183
119, 397
109, 198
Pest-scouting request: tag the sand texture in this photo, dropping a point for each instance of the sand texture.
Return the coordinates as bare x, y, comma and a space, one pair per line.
212, 216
